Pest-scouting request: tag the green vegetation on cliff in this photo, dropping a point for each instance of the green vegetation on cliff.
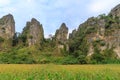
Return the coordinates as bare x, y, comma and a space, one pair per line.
96, 41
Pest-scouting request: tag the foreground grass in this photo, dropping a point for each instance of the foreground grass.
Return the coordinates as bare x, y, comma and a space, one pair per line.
59, 72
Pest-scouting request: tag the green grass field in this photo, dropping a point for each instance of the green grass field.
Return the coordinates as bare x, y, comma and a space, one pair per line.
59, 72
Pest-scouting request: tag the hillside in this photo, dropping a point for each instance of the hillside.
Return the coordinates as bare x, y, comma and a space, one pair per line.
95, 41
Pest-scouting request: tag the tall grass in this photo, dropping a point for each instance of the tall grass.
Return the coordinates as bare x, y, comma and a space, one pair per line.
59, 72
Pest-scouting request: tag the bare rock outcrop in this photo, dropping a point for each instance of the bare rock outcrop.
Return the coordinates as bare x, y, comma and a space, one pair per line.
61, 38
7, 27
61, 34
34, 32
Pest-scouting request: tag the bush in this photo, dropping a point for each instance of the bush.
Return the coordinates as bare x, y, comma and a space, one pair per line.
14, 57
82, 59
70, 60
97, 58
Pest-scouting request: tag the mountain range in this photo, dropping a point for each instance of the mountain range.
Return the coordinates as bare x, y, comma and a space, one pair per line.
97, 40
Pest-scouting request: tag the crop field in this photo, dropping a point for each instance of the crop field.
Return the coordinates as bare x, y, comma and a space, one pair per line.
59, 72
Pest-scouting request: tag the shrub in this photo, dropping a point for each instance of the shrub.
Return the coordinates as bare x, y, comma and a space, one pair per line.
70, 60
82, 59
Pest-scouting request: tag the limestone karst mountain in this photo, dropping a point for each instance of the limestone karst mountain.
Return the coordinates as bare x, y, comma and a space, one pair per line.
102, 32
97, 40
61, 35
7, 26
34, 32
7, 31
61, 39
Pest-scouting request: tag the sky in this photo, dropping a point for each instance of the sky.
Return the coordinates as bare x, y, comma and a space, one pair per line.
52, 13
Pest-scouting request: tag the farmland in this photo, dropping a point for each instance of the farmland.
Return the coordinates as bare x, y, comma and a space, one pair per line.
59, 72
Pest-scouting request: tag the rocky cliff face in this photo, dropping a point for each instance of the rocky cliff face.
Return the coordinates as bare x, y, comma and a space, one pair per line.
101, 32
115, 11
34, 32
7, 27
61, 39
61, 34
72, 35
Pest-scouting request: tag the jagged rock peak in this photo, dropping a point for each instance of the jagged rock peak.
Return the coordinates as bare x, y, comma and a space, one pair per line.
35, 33
63, 26
9, 18
7, 25
33, 20
61, 34
9, 15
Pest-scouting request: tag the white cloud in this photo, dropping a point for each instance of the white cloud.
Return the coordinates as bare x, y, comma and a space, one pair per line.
4, 3
101, 6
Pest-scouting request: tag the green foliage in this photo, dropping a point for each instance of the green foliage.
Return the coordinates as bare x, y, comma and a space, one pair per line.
97, 58
1, 40
69, 60
104, 57
109, 53
79, 46
16, 57
91, 30
15, 40
102, 16
48, 45
23, 37
82, 59
111, 23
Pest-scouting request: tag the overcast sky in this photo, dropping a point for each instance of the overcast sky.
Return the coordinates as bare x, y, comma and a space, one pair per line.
52, 13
